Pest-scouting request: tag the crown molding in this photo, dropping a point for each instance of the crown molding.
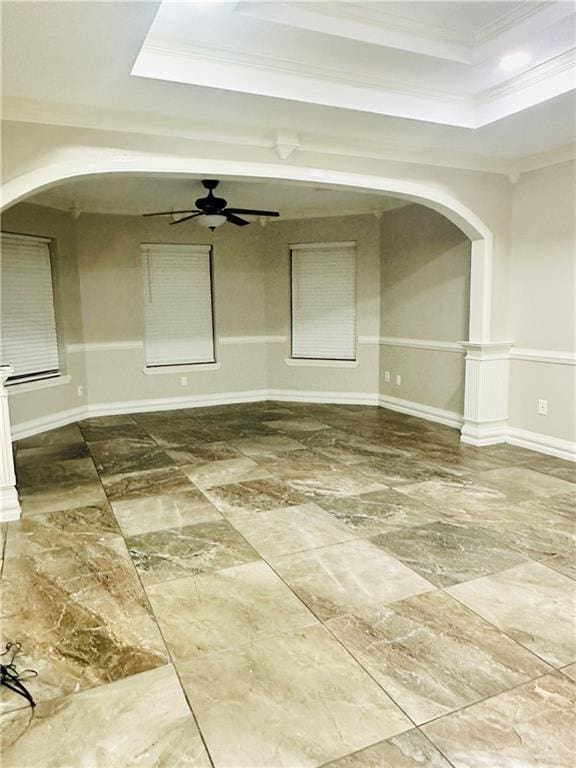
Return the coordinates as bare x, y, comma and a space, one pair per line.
306, 70
508, 21
541, 72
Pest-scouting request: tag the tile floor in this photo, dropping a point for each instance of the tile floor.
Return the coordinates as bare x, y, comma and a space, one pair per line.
289, 586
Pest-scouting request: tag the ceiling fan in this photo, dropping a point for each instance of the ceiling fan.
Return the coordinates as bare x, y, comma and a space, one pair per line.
213, 210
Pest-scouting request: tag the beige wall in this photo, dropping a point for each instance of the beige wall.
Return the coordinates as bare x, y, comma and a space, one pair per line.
543, 299
425, 294
113, 309
27, 219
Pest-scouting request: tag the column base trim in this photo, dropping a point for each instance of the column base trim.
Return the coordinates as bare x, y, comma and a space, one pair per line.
9, 505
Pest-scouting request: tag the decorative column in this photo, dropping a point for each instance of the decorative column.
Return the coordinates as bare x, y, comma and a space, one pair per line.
486, 398
9, 504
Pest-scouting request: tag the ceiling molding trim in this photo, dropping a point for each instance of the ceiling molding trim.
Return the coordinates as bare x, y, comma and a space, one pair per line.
555, 156
306, 70
509, 20
541, 72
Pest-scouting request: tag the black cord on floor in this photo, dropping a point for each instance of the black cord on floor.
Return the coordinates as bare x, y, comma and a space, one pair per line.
11, 678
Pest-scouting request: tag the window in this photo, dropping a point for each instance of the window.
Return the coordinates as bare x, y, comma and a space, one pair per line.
178, 304
28, 340
324, 301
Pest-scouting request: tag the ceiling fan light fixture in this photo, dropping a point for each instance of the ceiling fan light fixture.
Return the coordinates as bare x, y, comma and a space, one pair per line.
211, 220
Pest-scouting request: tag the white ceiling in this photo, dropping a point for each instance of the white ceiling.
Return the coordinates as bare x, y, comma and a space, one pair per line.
438, 62
134, 195
70, 63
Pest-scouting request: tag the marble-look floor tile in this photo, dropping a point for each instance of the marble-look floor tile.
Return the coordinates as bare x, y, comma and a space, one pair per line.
522, 482
532, 726
41, 476
226, 609
296, 426
291, 529
113, 420
446, 553
153, 418
267, 445
102, 451
408, 750
53, 498
354, 577
152, 482
296, 700
200, 453
140, 722
337, 445
154, 513
394, 471
222, 472
74, 602
432, 655
43, 455
177, 552
94, 433
68, 435
531, 603
142, 461
549, 465
237, 499
455, 497
570, 671
564, 564
371, 513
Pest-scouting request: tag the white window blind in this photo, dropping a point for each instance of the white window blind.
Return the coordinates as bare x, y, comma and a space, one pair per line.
178, 304
324, 301
28, 339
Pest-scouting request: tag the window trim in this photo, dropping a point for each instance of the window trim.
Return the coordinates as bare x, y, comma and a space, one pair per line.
344, 362
43, 377
190, 366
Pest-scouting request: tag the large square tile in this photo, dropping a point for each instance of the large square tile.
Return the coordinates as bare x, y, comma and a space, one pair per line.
140, 722
177, 552
371, 513
446, 553
432, 655
226, 471
291, 529
531, 603
532, 726
225, 609
238, 499
72, 599
354, 577
408, 750
292, 700
153, 513
152, 482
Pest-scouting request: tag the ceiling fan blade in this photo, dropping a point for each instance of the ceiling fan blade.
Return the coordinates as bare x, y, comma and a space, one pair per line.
235, 219
193, 216
168, 213
250, 211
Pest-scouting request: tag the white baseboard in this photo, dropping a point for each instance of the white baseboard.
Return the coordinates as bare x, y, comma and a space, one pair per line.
535, 441
563, 449
45, 423
428, 412
331, 398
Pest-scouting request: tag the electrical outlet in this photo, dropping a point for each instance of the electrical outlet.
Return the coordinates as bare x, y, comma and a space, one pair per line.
543, 407
80, 391
398, 379
387, 377
184, 381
